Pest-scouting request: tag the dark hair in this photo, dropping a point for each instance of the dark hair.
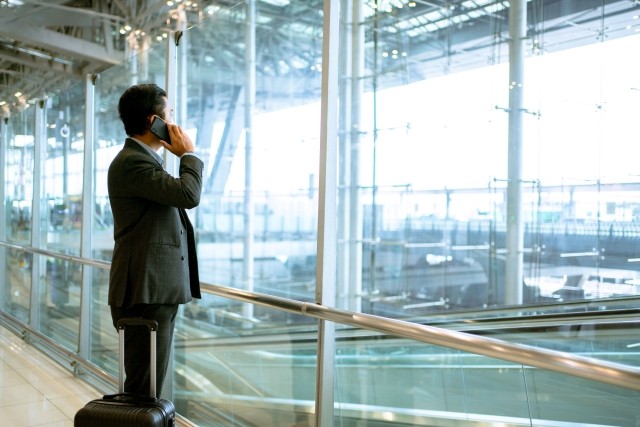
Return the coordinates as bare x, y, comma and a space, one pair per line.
139, 102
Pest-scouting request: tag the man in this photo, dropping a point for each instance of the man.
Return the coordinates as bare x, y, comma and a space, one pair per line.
154, 266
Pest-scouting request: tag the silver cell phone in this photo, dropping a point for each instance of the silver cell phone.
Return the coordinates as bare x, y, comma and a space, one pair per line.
159, 128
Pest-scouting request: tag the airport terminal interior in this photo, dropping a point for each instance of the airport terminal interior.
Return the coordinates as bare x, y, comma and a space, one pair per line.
414, 212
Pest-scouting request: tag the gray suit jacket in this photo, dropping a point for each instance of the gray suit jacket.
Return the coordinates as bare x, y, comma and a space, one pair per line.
154, 256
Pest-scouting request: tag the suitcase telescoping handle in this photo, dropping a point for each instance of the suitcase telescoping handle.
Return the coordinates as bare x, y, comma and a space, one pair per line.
153, 329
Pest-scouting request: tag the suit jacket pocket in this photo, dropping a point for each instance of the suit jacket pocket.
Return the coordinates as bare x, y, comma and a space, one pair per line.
170, 273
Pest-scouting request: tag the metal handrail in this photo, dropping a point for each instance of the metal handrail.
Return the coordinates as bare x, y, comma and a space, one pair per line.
583, 367
53, 254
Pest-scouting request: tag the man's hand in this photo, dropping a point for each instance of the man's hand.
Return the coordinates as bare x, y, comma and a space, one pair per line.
180, 141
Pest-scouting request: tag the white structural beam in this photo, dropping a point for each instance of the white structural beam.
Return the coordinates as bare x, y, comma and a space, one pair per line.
57, 42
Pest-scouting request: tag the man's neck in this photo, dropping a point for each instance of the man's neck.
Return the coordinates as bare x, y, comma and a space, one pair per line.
149, 140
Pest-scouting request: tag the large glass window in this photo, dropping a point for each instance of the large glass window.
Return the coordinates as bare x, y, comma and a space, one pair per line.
428, 204
146, 67
427, 89
62, 174
257, 217
18, 191
257, 133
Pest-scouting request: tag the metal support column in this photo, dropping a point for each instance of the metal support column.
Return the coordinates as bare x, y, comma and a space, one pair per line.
171, 161
4, 142
171, 87
38, 222
344, 124
515, 225
355, 204
250, 100
326, 252
179, 97
86, 232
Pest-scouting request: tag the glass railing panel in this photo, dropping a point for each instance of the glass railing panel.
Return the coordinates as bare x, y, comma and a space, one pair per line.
63, 170
613, 339
275, 188
17, 283
230, 370
103, 340
59, 299
372, 373
382, 380
556, 398
18, 179
145, 67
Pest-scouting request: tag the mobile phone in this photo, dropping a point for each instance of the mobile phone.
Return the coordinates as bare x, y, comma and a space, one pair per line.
159, 128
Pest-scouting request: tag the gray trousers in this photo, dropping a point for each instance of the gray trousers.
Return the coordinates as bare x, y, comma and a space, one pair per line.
137, 344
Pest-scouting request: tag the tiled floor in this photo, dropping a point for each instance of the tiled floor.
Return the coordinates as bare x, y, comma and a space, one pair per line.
34, 390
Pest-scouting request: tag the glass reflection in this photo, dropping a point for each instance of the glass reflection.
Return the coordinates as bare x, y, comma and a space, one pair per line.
18, 180
103, 341
17, 286
276, 189
147, 66
60, 300
233, 372
62, 174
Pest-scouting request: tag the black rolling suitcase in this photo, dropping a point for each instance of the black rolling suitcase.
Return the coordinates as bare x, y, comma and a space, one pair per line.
122, 409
